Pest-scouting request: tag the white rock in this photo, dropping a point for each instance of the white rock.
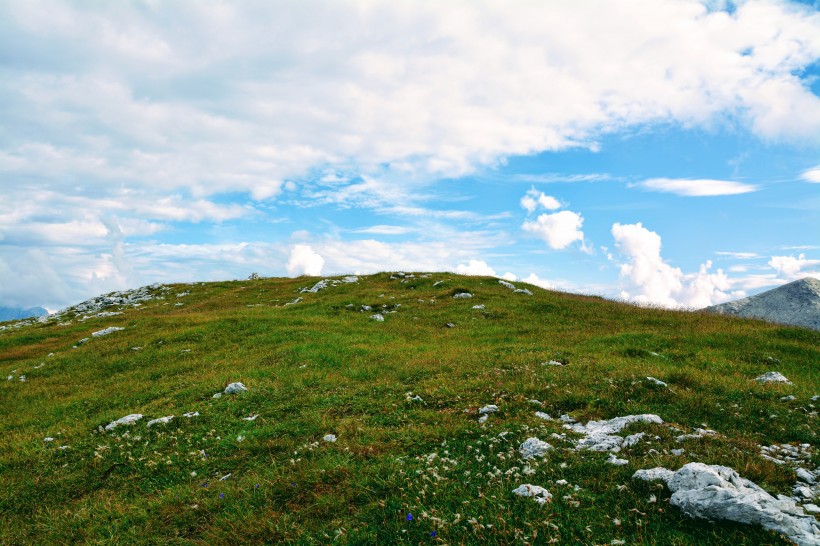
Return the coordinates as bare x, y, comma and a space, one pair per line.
251, 418
788, 398
321, 285
329, 438
651, 474
106, 331
715, 492
489, 408
811, 508
773, 377
377, 317
463, 295
294, 302
633, 439
678, 452
10, 378
616, 461
552, 363
506, 284
522, 291
533, 448
538, 493
85, 339
657, 382
160, 421
351, 278
536, 402
217, 395
483, 418
48, 439
542, 415
127, 420
804, 475
191, 414
478, 306
601, 435
235, 388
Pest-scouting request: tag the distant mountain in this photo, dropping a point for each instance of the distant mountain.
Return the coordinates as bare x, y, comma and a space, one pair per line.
796, 303
15, 313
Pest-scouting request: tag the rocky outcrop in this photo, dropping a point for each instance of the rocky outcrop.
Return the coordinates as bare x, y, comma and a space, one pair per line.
796, 304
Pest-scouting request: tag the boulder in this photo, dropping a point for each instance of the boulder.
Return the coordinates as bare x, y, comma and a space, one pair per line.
538, 493
235, 388
127, 420
533, 448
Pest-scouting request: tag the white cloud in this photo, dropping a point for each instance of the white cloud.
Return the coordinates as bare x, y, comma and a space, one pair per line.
384, 230
509, 277
532, 278
475, 267
304, 260
533, 199
558, 230
696, 187
739, 255
811, 175
791, 268
648, 279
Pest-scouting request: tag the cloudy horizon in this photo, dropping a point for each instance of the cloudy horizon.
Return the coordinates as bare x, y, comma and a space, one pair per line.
664, 152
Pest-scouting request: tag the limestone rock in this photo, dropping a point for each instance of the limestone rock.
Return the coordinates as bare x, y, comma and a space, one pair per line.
533, 448
717, 492
127, 420
538, 493
235, 388
773, 377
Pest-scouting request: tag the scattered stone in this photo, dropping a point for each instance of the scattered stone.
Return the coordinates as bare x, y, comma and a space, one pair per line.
183, 294
235, 388
450, 325
616, 461
217, 395
136, 348
538, 493
715, 492
251, 418
127, 420
601, 435
160, 421
506, 284
552, 363
478, 306
489, 408
23, 378
633, 439
788, 398
463, 295
378, 317
84, 340
542, 415
652, 474
483, 418
678, 452
62, 448
48, 439
226, 476
329, 438
699, 433
522, 291
10, 378
294, 302
657, 382
536, 402
321, 285
437, 283
811, 508
805, 476
533, 448
773, 377
191, 414
106, 331
350, 279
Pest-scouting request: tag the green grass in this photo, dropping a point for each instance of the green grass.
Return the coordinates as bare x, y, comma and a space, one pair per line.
318, 367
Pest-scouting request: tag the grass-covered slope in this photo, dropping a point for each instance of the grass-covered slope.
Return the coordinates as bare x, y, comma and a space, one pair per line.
322, 366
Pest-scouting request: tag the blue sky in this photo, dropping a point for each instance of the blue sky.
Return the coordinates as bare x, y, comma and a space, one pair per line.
664, 152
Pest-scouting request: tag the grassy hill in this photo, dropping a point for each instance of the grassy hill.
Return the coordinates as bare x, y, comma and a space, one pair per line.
403, 469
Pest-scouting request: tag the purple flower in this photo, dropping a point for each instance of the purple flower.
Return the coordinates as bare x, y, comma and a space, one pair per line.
410, 517
433, 534
256, 486
222, 495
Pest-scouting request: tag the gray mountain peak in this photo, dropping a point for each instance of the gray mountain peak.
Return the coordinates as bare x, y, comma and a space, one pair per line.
796, 303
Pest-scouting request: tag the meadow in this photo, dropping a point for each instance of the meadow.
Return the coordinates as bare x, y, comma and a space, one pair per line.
410, 462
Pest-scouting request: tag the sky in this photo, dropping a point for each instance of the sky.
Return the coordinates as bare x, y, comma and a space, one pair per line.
663, 152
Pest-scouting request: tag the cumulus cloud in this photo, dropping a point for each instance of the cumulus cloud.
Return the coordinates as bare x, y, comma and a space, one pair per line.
697, 187
304, 260
648, 279
534, 199
811, 175
475, 267
790, 268
532, 278
558, 230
